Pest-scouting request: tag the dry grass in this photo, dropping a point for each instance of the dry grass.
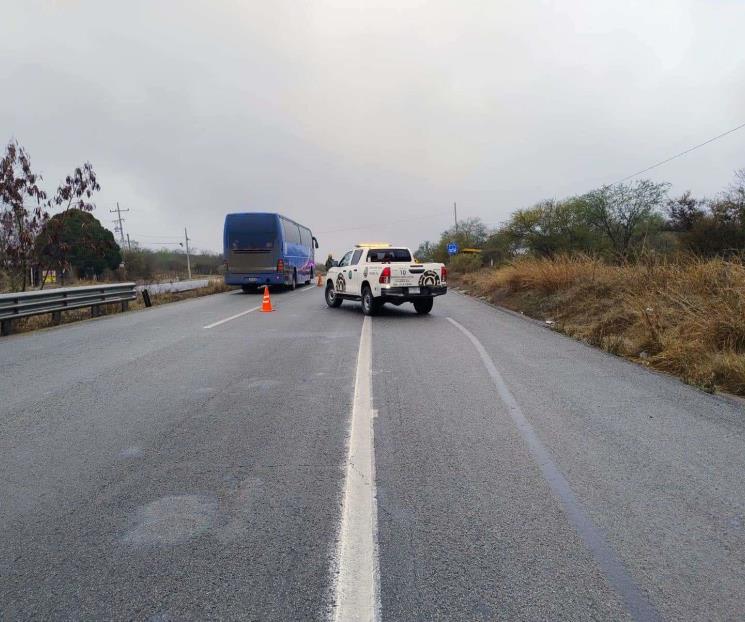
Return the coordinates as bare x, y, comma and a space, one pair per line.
75, 315
685, 316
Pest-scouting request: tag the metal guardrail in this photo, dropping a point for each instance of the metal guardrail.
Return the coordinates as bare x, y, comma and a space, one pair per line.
55, 301
174, 286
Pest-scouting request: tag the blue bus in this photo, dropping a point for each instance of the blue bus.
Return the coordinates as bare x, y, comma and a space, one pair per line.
261, 248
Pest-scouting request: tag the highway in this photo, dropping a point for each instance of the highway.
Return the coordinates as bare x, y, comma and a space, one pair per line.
204, 461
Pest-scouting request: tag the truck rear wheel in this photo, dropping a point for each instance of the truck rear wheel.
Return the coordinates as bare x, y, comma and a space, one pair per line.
370, 306
424, 305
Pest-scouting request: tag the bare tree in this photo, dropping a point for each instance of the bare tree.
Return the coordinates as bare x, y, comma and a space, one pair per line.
77, 190
22, 213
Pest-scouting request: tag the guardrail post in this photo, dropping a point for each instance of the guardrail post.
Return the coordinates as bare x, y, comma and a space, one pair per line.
6, 327
95, 310
125, 305
56, 317
146, 298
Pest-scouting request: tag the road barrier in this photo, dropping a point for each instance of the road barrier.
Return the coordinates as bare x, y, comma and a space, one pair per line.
55, 301
174, 286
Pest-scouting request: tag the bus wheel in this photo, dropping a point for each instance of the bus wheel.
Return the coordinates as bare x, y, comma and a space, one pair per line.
293, 282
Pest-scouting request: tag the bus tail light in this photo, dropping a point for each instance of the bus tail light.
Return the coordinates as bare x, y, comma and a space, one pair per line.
443, 274
281, 265
385, 276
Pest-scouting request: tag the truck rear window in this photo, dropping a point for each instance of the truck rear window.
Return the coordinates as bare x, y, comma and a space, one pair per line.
388, 255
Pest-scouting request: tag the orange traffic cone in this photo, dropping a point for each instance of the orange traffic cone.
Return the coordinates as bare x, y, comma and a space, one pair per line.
266, 304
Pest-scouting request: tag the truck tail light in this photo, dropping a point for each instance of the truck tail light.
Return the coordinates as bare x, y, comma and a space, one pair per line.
385, 276
443, 274
281, 265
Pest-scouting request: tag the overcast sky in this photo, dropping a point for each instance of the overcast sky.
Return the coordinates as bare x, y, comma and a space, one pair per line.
348, 114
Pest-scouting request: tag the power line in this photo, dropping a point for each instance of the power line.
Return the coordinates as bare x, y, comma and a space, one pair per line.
143, 235
678, 155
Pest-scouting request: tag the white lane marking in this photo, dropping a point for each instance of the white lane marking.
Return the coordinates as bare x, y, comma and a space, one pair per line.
232, 317
618, 576
242, 313
357, 594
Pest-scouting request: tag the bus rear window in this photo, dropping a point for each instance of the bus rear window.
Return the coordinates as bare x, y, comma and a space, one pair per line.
251, 231
388, 255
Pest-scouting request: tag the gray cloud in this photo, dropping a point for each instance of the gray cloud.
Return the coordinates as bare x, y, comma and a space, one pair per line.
343, 114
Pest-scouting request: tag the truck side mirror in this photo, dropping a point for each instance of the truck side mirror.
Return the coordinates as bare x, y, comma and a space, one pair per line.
315, 242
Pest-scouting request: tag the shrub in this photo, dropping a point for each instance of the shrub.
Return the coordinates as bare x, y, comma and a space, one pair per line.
465, 263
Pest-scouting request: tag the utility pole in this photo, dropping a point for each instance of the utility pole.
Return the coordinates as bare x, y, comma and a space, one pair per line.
455, 213
120, 228
129, 244
188, 261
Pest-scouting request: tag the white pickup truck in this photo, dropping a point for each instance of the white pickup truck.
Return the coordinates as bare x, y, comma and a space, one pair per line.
378, 273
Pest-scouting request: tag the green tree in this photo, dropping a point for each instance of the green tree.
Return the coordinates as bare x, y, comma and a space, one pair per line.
498, 247
425, 252
552, 227
470, 233
75, 239
683, 212
626, 213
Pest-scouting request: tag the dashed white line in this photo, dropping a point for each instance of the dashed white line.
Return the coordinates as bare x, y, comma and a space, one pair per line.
232, 317
357, 590
242, 313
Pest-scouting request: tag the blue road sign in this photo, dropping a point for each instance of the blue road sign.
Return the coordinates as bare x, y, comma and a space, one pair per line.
452, 248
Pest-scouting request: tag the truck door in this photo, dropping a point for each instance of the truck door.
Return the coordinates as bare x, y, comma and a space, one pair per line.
339, 274
354, 277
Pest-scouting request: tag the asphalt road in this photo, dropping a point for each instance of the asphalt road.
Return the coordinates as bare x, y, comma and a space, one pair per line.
152, 468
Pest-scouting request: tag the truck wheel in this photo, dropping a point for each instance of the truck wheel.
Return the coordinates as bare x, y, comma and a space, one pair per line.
370, 306
423, 305
332, 300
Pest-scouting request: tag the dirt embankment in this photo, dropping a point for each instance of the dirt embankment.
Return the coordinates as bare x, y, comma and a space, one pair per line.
683, 316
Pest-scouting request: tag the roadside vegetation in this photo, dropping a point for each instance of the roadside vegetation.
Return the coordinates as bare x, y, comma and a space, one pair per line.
627, 268
683, 315
44, 232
